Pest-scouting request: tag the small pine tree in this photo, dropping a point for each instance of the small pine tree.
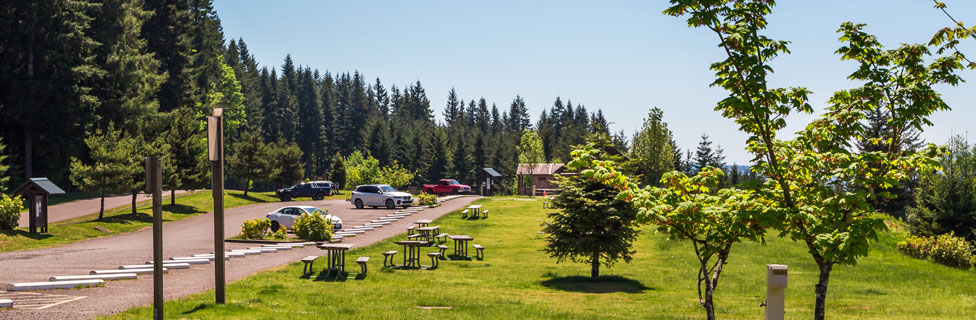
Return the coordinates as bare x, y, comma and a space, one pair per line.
287, 163
593, 226
338, 172
108, 172
250, 160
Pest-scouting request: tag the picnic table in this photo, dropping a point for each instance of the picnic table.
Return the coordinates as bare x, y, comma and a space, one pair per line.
337, 256
461, 245
475, 208
428, 232
422, 223
411, 255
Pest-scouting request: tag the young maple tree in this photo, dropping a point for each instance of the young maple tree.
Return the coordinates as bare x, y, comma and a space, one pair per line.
819, 187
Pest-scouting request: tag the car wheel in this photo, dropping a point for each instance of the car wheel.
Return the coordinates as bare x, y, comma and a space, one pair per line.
285, 197
319, 196
359, 203
406, 207
275, 226
390, 204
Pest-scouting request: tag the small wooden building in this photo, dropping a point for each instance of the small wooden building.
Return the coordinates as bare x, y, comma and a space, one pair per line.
486, 181
540, 178
36, 190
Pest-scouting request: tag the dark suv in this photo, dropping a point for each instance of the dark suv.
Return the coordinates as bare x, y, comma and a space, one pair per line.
317, 190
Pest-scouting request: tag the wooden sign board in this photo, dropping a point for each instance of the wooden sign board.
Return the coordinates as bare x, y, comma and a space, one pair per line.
212, 137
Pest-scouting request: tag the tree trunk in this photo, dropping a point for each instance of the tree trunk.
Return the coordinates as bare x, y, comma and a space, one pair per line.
247, 183
819, 312
709, 305
595, 266
134, 194
28, 152
172, 197
101, 209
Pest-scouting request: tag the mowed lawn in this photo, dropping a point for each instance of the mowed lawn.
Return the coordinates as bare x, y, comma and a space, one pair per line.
519, 281
121, 220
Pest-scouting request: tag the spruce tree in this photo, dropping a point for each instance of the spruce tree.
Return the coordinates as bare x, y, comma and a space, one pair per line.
109, 169
188, 147
652, 150
453, 112
251, 160
338, 172
287, 164
167, 35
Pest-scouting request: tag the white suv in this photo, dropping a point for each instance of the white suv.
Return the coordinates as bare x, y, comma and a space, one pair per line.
377, 195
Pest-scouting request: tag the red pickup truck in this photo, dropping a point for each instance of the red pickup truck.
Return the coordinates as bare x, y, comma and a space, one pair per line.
447, 186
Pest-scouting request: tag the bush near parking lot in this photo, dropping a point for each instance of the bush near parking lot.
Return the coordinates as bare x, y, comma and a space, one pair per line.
10, 209
313, 227
426, 199
946, 249
255, 228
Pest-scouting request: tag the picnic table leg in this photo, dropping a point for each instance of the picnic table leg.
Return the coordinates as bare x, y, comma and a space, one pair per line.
406, 253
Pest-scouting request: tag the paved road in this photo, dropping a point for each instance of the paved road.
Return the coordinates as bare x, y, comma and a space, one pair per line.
81, 208
182, 238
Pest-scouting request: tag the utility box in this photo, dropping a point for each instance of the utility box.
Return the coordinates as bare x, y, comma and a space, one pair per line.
776, 283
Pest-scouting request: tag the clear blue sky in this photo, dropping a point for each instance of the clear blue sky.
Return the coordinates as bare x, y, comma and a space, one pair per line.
622, 56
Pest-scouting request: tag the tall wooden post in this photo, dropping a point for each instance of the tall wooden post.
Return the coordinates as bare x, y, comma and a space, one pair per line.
215, 126
154, 186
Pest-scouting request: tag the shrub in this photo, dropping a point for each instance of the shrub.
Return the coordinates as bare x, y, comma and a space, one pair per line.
255, 228
946, 249
426, 199
313, 227
279, 235
10, 209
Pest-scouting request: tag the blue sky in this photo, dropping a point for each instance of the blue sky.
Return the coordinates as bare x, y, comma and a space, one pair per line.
622, 56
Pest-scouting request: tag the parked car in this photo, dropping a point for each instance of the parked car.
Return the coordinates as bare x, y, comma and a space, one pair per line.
286, 216
447, 186
377, 195
317, 190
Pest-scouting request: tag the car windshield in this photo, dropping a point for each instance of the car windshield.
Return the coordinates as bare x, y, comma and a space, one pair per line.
387, 189
314, 210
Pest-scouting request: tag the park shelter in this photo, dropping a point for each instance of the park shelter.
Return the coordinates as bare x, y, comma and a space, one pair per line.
37, 190
486, 180
539, 178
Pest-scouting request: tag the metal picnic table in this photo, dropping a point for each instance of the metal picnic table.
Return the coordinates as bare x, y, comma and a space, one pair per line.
461, 245
475, 208
411, 256
428, 232
422, 223
337, 256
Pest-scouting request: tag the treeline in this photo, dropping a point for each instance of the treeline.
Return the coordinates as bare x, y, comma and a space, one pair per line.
88, 88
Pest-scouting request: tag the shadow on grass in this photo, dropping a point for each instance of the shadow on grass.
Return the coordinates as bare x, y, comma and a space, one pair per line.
181, 209
247, 197
199, 307
25, 233
331, 276
607, 284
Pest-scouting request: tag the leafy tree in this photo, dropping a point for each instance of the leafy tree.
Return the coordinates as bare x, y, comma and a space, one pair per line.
251, 159
362, 169
226, 93
338, 172
109, 170
530, 148
819, 188
286, 162
396, 175
945, 201
652, 150
10, 208
592, 226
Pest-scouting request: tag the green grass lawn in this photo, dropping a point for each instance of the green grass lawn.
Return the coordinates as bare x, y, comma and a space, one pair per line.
121, 220
519, 281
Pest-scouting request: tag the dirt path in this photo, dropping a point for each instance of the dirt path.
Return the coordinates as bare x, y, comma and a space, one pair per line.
84, 207
182, 238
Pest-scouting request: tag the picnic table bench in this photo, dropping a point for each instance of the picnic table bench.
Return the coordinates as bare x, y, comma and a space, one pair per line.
309, 260
480, 254
389, 254
362, 263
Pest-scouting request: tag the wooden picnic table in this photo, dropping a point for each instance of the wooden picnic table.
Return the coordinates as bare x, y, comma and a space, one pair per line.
337, 256
422, 223
411, 255
428, 232
461, 245
475, 208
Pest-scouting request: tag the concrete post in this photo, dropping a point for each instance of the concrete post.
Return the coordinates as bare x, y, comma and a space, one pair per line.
776, 283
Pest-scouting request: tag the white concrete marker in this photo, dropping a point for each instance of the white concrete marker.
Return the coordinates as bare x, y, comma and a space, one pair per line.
54, 285
136, 271
106, 277
264, 249
178, 265
6, 303
210, 258
247, 252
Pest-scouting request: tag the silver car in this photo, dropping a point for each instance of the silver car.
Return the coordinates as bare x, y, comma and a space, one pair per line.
380, 195
286, 216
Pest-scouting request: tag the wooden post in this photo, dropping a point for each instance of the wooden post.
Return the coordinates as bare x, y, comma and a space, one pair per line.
216, 139
154, 186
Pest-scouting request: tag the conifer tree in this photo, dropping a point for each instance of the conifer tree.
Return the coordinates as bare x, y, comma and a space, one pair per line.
286, 163
453, 112
338, 172
250, 160
167, 37
108, 172
518, 116
652, 150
